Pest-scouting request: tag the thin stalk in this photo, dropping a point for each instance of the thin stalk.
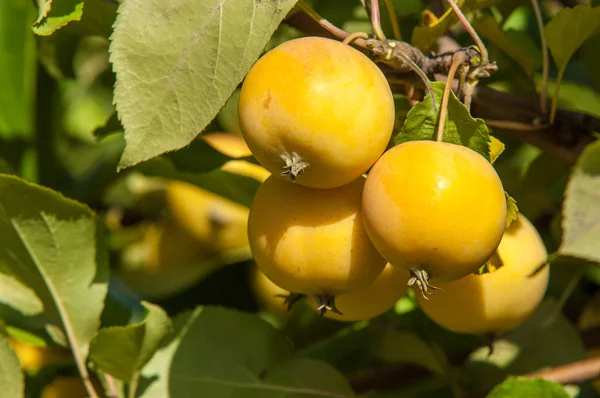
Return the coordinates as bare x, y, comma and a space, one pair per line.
476, 39
545, 58
444, 107
331, 28
421, 75
555, 96
376, 20
133, 385
353, 36
393, 19
565, 294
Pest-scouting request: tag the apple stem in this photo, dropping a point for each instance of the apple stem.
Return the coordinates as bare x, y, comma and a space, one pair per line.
456, 62
420, 277
545, 58
376, 20
294, 166
326, 302
353, 36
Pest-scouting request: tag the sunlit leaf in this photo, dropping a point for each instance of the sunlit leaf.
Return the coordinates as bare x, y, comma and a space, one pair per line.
54, 14
581, 213
208, 353
11, 375
522, 387
496, 148
460, 128
19, 296
512, 211
54, 246
123, 350
177, 63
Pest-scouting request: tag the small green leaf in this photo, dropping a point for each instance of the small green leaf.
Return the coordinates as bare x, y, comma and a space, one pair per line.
424, 37
166, 98
568, 30
11, 376
460, 128
55, 246
581, 213
512, 211
54, 14
521, 387
19, 296
17, 68
487, 27
496, 148
24, 336
123, 350
254, 361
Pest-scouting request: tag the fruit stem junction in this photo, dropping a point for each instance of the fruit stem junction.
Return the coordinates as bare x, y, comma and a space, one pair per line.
290, 299
294, 166
421, 278
326, 302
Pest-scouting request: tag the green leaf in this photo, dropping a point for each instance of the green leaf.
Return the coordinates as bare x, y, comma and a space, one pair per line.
17, 68
590, 56
521, 387
165, 98
24, 336
54, 246
581, 213
19, 296
487, 27
512, 211
254, 361
54, 14
568, 30
496, 148
123, 350
424, 37
11, 376
460, 127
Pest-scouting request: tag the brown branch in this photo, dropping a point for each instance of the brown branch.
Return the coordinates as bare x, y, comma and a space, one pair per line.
573, 373
565, 138
397, 375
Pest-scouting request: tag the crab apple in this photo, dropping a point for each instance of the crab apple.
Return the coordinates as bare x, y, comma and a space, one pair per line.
312, 241
436, 208
218, 224
316, 111
371, 300
501, 300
